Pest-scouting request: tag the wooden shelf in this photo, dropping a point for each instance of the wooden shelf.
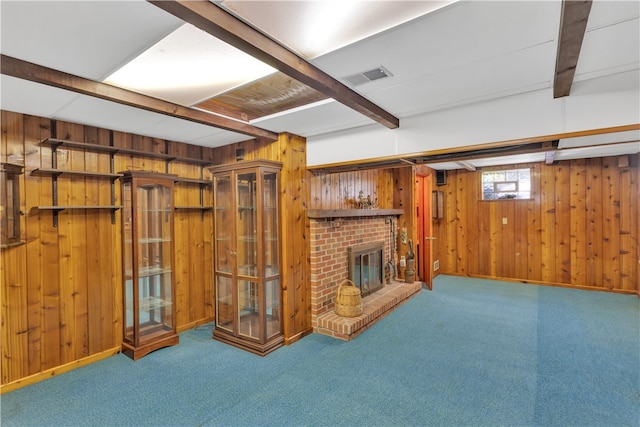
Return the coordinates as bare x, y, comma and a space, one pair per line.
194, 161
61, 208
12, 244
54, 142
57, 172
348, 213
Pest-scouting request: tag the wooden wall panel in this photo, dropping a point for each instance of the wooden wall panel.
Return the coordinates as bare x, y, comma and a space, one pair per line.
579, 228
341, 190
13, 273
62, 290
296, 287
578, 212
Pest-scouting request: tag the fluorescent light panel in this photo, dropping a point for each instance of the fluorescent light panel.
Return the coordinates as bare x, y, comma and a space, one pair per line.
188, 66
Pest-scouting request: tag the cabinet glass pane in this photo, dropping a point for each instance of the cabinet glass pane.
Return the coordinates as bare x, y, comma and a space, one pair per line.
224, 303
223, 223
248, 309
154, 301
272, 293
270, 223
153, 206
127, 258
247, 223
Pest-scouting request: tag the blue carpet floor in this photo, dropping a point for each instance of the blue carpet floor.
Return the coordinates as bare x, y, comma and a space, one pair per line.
469, 353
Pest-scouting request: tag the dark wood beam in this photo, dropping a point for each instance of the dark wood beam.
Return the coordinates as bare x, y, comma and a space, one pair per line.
573, 24
36, 73
212, 19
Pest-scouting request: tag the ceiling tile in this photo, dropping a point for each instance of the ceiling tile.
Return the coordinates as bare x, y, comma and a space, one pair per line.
90, 39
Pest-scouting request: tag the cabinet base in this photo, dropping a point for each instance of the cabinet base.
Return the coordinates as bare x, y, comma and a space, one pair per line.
142, 350
252, 346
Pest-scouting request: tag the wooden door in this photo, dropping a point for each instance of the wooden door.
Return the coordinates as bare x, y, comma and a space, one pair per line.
424, 237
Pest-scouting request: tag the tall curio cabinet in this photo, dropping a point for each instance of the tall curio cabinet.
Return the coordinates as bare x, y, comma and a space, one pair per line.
248, 289
149, 291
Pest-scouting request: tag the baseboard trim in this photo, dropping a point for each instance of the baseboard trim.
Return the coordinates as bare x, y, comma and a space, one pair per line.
41, 376
553, 284
298, 336
195, 324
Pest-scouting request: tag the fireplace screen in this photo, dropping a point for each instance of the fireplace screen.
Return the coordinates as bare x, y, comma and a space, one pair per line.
366, 268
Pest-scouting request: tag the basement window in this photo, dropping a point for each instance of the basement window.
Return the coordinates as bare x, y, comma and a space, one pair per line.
506, 184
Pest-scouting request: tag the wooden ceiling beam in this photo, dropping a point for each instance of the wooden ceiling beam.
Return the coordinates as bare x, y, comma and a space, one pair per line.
573, 24
36, 73
214, 20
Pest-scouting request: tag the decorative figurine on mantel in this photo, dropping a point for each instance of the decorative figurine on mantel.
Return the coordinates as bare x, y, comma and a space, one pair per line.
366, 202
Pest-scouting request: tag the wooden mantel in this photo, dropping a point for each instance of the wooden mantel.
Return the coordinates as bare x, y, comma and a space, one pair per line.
344, 213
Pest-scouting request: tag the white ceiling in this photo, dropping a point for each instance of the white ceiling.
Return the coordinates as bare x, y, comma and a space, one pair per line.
463, 53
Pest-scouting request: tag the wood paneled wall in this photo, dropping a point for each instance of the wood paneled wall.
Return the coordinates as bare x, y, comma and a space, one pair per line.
580, 228
62, 290
341, 190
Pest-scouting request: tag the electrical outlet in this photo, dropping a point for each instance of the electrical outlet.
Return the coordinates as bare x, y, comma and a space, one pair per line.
436, 265
504, 220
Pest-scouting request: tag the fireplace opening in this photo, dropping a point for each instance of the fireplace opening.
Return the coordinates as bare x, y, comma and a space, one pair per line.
366, 269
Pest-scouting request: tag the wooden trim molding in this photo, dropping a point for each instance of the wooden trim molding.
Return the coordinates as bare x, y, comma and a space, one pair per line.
41, 376
350, 213
543, 283
525, 145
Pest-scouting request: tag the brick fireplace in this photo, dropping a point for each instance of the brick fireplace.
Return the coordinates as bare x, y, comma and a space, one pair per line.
331, 236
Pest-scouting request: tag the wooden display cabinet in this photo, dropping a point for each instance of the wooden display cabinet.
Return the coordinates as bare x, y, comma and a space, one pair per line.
248, 288
149, 291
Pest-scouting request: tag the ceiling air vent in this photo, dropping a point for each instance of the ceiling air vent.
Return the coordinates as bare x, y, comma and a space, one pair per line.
368, 76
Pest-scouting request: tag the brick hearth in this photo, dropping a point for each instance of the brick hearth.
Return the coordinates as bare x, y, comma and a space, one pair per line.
374, 307
329, 240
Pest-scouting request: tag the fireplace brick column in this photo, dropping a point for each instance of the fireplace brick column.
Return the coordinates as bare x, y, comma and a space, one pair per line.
329, 240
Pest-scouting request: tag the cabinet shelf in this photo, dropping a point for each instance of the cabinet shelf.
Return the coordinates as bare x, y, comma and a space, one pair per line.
203, 208
143, 241
58, 172
150, 303
147, 272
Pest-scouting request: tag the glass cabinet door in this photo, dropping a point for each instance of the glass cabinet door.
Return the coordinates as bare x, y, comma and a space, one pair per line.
247, 257
153, 214
147, 262
127, 261
271, 253
247, 250
224, 250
